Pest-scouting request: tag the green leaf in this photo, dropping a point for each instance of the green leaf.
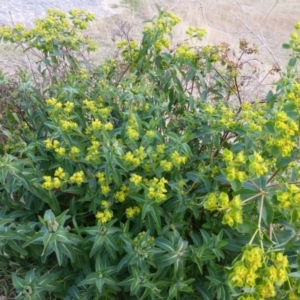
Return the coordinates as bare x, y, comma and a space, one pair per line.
99, 284
267, 212
294, 274
165, 260
89, 280
204, 293
284, 161
286, 46
246, 227
292, 61
19, 283
164, 244
35, 239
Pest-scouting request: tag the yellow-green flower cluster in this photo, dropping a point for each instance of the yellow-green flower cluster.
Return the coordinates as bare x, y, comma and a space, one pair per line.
178, 159
166, 165
135, 158
157, 189
49, 144
258, 166
184, 51
163, 23
294, 94
210, 109
60, 151
50, 183
211, 53
60, 173
232, 209
104, 216
12, 34
74, 152
93, 152
104, 183
131, 212
227, 120
161, 43
295, 38
132, 129
91, 105
68, 125
196, 32
80, 18
139, 238
161, 148
259, 271
286, 131
136, 179
133, 45
54, 103
233, 172
130, 49
68, 107
289, 198
56, 29
122, 194
77, 177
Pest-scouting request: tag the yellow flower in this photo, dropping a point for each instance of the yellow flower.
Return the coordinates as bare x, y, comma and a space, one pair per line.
105, 204
157, 189
136, 179
101, 177
227, 156
271, 273
238, 276
281, 260
48, 185
267, 289
177, 158
240, 158
48, 143
104, 217
211, 202
132, 133
68, 125
60, 151
131, 212
108, 126
68, 106
150, 133
74, 150
105, 189
120, 196
223, 200
77, 177
209, 109
56, 182
250, 278
60, 173
161, 148
166, 165
294, 296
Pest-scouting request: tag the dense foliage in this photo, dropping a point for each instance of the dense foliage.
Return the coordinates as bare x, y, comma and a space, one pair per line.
152, 176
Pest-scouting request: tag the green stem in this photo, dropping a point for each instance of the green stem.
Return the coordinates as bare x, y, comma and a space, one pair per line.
251, 198
260, 212
253, 236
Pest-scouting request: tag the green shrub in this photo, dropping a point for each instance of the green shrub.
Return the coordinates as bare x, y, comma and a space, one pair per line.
150, 176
